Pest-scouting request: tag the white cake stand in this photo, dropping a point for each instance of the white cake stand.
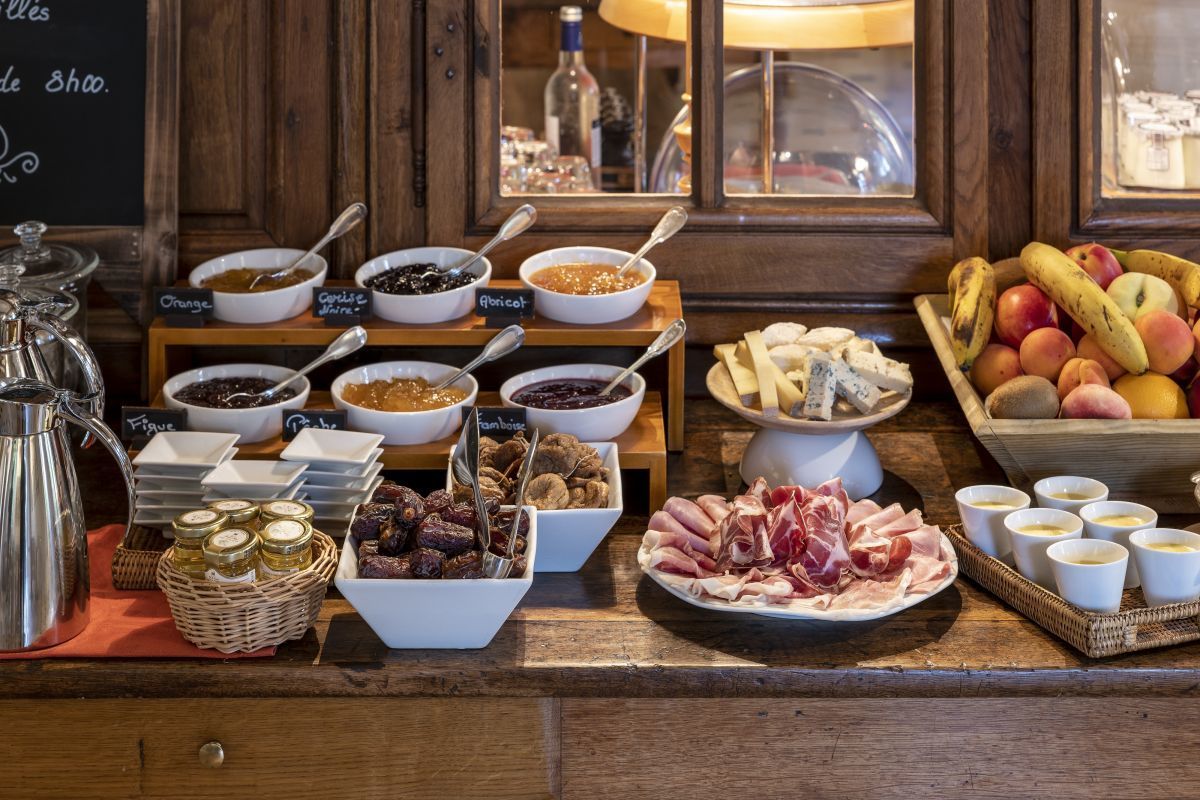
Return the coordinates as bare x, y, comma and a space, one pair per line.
789, 451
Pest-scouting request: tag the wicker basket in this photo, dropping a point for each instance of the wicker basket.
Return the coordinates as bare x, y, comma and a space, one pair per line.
240, 617
1134, 627
1147, 460
135, 560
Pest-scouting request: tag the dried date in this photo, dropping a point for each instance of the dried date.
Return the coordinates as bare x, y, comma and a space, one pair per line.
393, 535
437, 501
466, 565
368, 548
426, 563
386, 567
500, 542
504, 520
368, 518
437, 534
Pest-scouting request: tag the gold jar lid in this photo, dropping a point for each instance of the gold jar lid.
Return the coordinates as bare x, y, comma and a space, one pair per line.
199, 523
286, 536
285, 509
241, 512
230, 545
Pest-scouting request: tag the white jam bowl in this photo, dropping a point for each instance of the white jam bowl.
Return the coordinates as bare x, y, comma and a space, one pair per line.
598, 424
250, 308
250, 424
405, 427
586, 309
424, 309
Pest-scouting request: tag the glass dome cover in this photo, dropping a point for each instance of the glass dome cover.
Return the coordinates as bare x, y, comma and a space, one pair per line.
58, 266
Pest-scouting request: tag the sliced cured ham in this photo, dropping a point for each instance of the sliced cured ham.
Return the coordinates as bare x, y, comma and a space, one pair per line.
690, 516
715, 506
664, 522
826, 552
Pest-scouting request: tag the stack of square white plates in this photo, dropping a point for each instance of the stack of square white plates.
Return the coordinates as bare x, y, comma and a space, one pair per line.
343, 471
255, 480
169, 470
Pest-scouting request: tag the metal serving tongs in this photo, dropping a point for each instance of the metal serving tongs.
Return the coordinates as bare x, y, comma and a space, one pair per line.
466, 472
495, 566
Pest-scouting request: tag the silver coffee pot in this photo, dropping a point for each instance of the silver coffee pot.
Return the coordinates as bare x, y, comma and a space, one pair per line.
44, 584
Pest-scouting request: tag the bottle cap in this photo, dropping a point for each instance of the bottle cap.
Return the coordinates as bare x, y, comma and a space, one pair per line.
570, 14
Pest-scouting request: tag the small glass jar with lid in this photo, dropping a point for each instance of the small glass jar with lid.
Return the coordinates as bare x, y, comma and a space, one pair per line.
191, 528
284, 509
242, 513
231, 556
286, 547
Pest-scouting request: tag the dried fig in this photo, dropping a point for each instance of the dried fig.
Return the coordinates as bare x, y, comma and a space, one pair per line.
547, 493
596, 495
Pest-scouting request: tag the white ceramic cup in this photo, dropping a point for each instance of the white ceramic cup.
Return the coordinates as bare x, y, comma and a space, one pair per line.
1092, 529
984, 527
1093, 491
1097, 583
1029, 549
1167, 577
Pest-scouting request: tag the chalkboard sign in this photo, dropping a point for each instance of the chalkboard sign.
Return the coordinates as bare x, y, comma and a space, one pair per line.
502, 307
183, 307
295, 421
341, 305
138, 423
497, 422
72, 111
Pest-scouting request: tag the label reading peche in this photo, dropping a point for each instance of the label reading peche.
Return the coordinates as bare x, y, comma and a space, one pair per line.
295, 421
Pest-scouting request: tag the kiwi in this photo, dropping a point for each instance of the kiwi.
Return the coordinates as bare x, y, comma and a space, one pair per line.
1026, 397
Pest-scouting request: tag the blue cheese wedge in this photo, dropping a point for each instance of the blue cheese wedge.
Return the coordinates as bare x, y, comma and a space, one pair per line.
881, 371
852, 386
821, 390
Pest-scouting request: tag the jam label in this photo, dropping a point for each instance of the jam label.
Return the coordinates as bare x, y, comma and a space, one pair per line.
183, 308
502, 307
200, 517
139, 423
284, 508
230, 537
285, 530
295, 421
498, 423
230, 505
217, 577
341, 305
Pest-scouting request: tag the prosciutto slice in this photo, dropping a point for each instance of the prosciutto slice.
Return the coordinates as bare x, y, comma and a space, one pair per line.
715, 506
826, 552
744, 539
665, 523
690, 516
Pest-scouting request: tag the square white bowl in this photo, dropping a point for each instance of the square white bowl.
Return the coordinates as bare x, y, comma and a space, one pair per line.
153, 519
570, 536
167, 477
238, 477
342, 481
294, 491
338, 495
453, 614
347, 470
175, 450
180, 493
320, 446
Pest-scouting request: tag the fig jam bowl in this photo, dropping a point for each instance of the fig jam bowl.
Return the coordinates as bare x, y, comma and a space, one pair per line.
272, 305
597, 423
425, 307
405, 427
250, 424
587, 309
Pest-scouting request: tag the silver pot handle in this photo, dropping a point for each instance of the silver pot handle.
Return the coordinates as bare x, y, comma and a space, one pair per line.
72, 341
69, 406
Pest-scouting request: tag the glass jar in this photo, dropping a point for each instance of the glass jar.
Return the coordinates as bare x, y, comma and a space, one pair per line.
191, 528
286, 547
284, 509
1157, 158
242, 513
231, 556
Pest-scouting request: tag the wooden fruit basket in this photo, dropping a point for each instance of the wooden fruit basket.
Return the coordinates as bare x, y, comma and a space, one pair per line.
1149, 461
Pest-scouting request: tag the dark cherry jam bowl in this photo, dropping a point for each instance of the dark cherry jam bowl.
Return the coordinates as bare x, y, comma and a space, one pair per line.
414, 279
215, 392
568, 394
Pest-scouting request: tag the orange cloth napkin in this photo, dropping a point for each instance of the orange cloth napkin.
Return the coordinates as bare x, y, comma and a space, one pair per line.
125, 624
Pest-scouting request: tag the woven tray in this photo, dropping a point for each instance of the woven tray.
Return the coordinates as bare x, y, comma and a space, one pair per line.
1135, 627
136, 558
242, 617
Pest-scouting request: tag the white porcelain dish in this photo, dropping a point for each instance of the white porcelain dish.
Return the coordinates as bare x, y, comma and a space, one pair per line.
588, 424
405, 427
178, 452
336, 480
456, 614
261, 307
568, 537
1090, 490
159, 478
424, 309
586, 309
344, 472
250, 424
294, 491
336, 494
343, 448
984, 527
154, 520
835, 615
246, 476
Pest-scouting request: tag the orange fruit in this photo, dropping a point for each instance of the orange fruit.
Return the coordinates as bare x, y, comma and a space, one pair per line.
1152, 396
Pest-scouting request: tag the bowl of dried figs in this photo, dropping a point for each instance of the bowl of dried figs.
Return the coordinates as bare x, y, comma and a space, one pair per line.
412, 567
575, 487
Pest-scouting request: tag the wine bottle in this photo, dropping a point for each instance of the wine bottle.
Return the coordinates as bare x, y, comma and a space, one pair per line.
572, 97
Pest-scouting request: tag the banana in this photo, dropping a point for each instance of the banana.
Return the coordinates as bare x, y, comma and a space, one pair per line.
1056, 274
1184, 275
972, 287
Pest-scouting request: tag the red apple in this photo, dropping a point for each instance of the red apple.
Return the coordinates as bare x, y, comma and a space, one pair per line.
1023, 309
1184, 374
1097, 261
1193, 399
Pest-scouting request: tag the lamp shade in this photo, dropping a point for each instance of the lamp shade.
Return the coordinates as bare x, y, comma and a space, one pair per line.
776, 24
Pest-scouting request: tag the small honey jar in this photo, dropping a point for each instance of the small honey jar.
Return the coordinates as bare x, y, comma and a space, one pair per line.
284, 509
231, 556
286, 547
242, 513
191, 528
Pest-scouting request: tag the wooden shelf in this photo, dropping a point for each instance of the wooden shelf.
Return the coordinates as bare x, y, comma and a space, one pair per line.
661, 308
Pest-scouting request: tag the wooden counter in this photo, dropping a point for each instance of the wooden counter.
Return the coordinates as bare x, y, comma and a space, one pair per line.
611, 688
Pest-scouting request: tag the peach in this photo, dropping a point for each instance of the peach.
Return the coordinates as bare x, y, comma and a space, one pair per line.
1077, 372
1045, 351
1097, 261
1089, 401
1137, 293
1088, 348
995, 365
1022, 309
1168, 340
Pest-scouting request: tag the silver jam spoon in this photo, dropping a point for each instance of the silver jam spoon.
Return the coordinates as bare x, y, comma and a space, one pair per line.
662, 344
668, 226
495, 566
354, 214
517, 223
503, 343
350, 340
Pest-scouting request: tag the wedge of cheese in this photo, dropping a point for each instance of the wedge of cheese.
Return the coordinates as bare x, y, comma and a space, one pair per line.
862, 395
791, 398
781, 333
822, 388
791, 356
745, 382
881, 371
826, 338
768, 395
